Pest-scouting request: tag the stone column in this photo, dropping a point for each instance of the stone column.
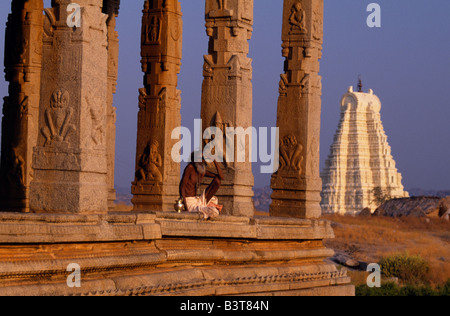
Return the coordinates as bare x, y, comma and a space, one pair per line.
157, 178
70, 160
227, 93
23, 53
111, 7
297, 184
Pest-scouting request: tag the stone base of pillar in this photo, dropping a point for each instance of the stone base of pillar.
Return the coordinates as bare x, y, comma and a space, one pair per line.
301, 200
153, 197
112, 197
76, 184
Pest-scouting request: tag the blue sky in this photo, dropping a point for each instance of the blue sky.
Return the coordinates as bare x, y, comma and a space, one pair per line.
406, 62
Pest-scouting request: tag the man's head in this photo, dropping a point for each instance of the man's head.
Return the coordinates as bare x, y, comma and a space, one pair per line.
200, 166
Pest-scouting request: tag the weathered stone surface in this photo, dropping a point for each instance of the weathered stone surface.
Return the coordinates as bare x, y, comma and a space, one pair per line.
111, 8
70, 159
23, 62
44, 228
157, 175
227, 95
184, 266
414, 206
360, 158
297, 184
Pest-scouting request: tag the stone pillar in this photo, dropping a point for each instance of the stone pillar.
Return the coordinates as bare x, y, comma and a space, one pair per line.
227, 93
23, 53
297, 184
157, 178
70, 161
111, 7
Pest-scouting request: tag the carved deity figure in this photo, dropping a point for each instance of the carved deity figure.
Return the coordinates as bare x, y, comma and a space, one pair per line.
291, 154
16, 174
222, 4
298, 18
220, 152
154, 30
150, 163
58, 118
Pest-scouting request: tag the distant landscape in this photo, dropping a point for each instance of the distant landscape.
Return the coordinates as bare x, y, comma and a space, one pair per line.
262, 196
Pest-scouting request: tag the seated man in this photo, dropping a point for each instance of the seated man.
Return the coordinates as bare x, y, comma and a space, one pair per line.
206, 203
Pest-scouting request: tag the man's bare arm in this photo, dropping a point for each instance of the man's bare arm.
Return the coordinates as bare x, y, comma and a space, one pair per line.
219, 172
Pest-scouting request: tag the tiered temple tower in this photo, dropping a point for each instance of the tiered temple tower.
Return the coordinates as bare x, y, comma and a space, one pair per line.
360, 158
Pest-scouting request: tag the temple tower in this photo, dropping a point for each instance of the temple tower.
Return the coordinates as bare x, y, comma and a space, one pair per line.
360, 158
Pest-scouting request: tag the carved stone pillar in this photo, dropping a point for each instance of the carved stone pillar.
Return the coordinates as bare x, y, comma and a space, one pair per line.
111, 7
157, 177
297, 184
227, 93
70, 161
23, 54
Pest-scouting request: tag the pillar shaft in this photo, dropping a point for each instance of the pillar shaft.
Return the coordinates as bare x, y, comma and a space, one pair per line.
70, 161
23, 54
227, 94
297, 184
111, 7
157, 178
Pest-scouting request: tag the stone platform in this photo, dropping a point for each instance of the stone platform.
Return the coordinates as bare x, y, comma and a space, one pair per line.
167, 254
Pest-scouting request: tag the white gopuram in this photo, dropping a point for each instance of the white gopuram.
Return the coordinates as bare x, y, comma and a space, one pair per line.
360, 158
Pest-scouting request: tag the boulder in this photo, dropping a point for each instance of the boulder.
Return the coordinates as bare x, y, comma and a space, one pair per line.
367, 212
346, 260
421, 206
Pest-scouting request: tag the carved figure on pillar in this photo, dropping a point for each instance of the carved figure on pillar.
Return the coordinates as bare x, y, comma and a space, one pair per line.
23, 58
227, 93
157, 177
70, 158
297, 184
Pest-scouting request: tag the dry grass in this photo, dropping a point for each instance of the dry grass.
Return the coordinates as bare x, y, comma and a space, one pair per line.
122, 207
370, 239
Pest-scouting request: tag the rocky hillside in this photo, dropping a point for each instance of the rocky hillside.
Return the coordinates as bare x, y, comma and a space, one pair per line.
415, 206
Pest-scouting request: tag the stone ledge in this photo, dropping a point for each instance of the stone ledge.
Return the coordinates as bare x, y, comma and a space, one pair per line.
45, 228
322, 279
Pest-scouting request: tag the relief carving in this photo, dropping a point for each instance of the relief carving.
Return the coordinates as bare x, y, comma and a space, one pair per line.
305, 83
297, 19
317, 26
16, 171
97, 128
153, 31
291, 157
57, 118
283, 85
208, 66
222, 125
222, 4
149, 164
